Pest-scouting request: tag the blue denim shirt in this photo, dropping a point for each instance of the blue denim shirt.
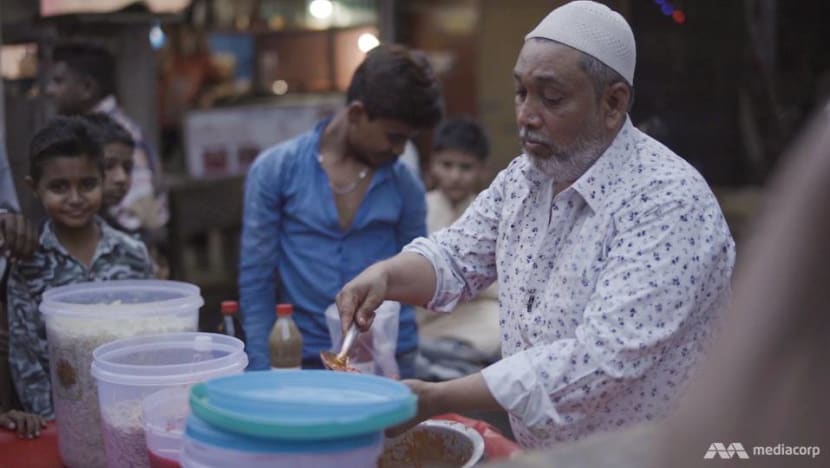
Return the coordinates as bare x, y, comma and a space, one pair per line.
291, 234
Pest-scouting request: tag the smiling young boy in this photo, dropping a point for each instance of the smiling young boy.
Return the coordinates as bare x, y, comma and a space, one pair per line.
66, 175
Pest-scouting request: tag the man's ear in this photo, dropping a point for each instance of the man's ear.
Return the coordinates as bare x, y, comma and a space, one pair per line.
88, 89
31, 184
355, 111
615, 104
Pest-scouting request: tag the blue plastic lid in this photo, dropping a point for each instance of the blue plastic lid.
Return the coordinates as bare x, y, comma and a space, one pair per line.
200, 431
302, 405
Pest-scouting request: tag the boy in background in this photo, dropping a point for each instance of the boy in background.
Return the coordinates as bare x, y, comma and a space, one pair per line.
117, 146
75, 245
457, 344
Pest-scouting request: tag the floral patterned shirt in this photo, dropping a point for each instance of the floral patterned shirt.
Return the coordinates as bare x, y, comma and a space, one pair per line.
117, 257
609, 290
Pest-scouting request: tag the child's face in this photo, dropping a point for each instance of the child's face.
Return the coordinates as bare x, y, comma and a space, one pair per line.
118, 168
456, 173
70, 190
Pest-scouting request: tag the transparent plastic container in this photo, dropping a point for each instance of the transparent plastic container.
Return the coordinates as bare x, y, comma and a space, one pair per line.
165, 413
131, 369
83, 316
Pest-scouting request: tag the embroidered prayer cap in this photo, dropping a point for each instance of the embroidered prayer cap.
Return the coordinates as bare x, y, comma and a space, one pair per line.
594, 29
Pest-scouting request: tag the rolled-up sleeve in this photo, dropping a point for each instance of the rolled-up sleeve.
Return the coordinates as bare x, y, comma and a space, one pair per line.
666, 275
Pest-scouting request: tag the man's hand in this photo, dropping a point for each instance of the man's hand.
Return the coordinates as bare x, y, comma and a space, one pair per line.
27, 425
468, 393
361, 296
18, 238
428, 394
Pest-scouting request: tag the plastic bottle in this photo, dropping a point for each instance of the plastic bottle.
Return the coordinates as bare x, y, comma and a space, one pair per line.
285, 342
230, 324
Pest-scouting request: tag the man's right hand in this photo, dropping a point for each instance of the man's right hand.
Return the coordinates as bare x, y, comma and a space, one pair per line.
361, 296
18, 238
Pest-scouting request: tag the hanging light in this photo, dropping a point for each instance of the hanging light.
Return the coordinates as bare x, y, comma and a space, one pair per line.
367, 42
320, 9
157, 37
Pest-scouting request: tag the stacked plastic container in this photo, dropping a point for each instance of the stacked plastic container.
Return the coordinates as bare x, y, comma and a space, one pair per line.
159, 369
83, 316
315, 419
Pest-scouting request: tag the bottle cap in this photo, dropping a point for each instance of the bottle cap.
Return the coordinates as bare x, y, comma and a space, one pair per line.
230, 307
284, 310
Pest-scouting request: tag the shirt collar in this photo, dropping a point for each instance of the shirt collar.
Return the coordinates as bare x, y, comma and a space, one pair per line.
598, 180
106, 105
107, 243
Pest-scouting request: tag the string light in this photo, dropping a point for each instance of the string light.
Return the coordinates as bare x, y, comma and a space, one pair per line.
667, 9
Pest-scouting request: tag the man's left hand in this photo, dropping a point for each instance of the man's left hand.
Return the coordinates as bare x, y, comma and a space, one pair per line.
428, 394
468, 393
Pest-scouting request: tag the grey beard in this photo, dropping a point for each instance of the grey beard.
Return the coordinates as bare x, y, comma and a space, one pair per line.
567, 164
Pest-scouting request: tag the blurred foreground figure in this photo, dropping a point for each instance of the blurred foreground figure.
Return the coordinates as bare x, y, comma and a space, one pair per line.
767, 382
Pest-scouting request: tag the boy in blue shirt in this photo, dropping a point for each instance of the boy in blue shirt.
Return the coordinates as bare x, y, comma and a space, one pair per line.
75, 245
321, 207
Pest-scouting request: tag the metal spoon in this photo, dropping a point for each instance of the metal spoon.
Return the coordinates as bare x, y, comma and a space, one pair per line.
348, 341
340, 362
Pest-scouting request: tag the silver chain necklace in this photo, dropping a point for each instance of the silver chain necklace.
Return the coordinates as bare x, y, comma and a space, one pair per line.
349, 188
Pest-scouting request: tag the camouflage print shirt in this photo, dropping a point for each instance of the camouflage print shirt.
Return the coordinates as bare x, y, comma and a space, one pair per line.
117, 257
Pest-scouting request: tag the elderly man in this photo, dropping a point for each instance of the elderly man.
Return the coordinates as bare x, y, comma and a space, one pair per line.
611, 252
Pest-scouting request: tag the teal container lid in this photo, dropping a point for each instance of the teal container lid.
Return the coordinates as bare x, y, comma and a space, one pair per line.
200, 431
302, 405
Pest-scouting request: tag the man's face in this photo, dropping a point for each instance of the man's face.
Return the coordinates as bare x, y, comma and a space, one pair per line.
118, 168
377, 142
560, 123
456, 173
68, 91
70, 190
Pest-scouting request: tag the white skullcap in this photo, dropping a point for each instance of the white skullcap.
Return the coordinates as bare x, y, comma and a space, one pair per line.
594, 29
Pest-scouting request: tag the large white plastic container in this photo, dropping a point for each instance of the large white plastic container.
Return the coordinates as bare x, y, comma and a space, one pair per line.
83, 316
131, 369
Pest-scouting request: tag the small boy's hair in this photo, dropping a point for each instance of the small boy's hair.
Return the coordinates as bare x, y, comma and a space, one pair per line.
395, 83
88, 60
63, 137
462, 134
108, 131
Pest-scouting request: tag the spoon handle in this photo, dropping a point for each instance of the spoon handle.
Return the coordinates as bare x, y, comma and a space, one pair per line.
348, 341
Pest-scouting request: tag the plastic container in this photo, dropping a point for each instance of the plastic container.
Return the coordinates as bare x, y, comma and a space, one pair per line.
293, 418
164, 414
131, 369
434, 443
374, 351
83, 316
